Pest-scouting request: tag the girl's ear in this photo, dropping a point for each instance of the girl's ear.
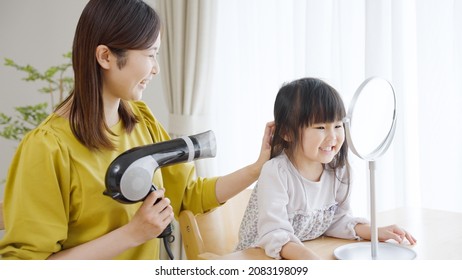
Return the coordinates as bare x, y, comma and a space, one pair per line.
103, 56
285, 135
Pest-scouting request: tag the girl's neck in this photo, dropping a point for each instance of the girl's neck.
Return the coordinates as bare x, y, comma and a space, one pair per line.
310, 170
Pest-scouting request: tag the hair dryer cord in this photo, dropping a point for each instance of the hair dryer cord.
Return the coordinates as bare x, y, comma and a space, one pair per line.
167, 240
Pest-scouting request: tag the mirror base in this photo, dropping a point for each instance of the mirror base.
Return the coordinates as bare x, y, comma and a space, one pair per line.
362, 251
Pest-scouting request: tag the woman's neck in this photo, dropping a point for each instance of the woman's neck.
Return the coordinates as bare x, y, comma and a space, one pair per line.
111, 110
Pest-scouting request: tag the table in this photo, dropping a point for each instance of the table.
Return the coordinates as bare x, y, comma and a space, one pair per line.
438, 234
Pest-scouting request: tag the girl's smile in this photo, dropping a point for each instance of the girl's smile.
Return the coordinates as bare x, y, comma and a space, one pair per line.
319, 144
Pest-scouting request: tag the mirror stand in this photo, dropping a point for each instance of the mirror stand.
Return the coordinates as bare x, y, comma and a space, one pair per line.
372, 90
373, 250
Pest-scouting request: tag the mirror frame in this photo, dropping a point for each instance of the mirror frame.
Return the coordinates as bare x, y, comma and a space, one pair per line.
348, 121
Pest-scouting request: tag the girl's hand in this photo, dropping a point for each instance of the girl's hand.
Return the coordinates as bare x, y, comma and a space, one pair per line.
396, 233
151, 219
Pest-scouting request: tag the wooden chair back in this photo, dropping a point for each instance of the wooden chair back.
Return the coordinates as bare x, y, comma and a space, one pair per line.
215, 232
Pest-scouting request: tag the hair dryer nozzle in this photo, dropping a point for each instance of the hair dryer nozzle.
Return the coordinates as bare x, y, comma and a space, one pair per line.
207, 144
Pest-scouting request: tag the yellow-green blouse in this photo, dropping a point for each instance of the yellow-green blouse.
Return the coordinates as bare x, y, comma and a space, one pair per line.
54, 191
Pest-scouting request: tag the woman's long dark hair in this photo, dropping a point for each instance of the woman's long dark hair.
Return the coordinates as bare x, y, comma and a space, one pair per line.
302, 103
120, 25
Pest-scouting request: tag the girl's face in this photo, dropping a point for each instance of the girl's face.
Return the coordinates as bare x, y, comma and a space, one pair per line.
129, 82
320, 143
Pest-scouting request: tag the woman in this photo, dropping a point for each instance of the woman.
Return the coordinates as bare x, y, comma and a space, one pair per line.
54, 202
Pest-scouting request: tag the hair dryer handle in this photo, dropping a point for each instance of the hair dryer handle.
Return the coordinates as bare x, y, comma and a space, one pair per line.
168, 230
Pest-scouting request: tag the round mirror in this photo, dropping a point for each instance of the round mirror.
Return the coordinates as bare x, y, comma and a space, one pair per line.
371, 119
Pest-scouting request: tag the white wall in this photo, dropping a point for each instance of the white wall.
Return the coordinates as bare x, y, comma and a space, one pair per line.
38, 33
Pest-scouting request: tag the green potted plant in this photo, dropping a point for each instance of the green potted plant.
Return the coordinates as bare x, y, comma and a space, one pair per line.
58, 84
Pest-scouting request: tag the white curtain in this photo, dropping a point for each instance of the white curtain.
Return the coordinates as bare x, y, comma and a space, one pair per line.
416, 45
187, 47
188, 39
439, 59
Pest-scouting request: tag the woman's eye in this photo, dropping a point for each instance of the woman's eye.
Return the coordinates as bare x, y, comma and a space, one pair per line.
153, 55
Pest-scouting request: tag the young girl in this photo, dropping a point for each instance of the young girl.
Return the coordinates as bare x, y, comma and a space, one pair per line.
303, 191
54, 205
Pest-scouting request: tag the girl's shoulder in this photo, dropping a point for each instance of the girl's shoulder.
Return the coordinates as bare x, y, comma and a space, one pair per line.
277, 160
278, 164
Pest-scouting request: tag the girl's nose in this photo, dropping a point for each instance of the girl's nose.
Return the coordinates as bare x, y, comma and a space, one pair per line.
331, 136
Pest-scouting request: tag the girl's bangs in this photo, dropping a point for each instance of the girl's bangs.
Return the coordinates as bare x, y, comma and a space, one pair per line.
327, 107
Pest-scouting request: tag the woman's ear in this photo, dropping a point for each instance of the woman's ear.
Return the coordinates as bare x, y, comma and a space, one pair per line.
103, 56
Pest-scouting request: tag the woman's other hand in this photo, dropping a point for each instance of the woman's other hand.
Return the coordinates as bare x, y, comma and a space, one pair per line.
151, 218
265, 150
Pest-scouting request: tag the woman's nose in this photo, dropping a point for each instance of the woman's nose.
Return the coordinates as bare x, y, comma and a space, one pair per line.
155, 69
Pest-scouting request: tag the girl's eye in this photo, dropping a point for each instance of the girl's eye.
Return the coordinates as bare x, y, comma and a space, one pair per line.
339, 126
319, 127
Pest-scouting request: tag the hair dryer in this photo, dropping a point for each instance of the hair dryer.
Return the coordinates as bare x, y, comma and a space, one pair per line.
129, 176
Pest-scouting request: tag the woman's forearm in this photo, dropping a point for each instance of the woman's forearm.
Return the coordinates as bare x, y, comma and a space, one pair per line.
103, 248
147, 223
229, 185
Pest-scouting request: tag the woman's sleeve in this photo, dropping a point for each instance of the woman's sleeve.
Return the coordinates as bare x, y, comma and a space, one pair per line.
36, 206
185, 191
274, 226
